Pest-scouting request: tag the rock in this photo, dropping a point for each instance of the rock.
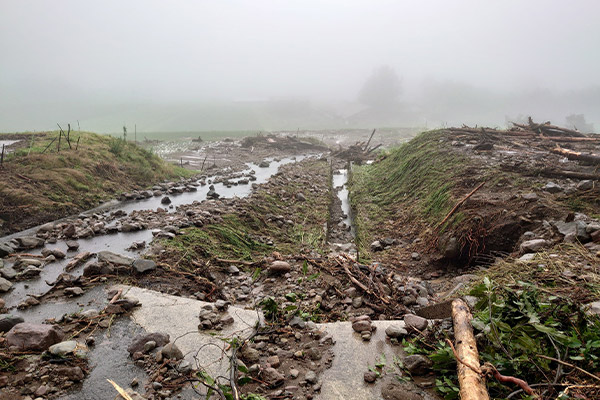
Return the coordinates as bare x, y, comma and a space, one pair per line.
280, 267
142, 265
376, 246
113, 258
139, 341
8, 273
72, 245
585, 185
581, 232
2, 303
552, 187
149, 346
314, 354
370, 377
415, 256
532, 246
361, 326
26, 336
63, 348
294, 373
73, 291
273, 361
5, 249
5, 285
311, 377
415, 322
29, 242
396, 331
264, 164
449, 247
530, 196
7, 321
74, 374
93, 269
172, 352
300, 196
417, 364
250, 354
165, 200
527, 257
69, 230
273, 377
357, 302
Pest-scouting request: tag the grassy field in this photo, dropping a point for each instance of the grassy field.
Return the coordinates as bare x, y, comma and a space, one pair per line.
39, 186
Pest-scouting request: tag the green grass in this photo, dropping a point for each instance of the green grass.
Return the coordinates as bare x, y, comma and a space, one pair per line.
40, 185
416, 178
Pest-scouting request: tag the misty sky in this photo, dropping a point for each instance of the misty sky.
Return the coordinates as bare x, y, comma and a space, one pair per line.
130, 51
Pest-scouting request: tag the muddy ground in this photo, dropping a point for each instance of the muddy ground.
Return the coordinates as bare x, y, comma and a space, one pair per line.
288, 250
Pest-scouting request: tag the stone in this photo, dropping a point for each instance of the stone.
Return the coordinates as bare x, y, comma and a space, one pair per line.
395, 331
29, 272
310, 377
393, 389
585, 185
273, 361
73, 291
26, 336
8, 273
113, 258
29, 242
279, 267
74, 374
93, 269
300, 196
63, 348
7, 321
142, 265
294, 373
376, 246
59, 254
530, 196
532, 246
370, 376
250, 354
273, 377
72, 245
415, 322
357, 302
415, 256
5, 285
171, 351
139, 341
184, 366
264, 164
314, 354
5, 249
361, 326
149, 346
417, 364
594, 308
552, 187
165, 200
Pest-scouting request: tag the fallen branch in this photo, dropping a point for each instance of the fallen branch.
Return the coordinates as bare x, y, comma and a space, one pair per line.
470, 378
224, 261
116, 296
574, 155
119, 389
570, 365
459, 204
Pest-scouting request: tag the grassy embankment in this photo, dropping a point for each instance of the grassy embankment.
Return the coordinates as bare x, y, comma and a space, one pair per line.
412, 183
243, 235
39, 186
526, 311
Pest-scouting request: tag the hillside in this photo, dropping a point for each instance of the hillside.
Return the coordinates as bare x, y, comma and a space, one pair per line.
38, 186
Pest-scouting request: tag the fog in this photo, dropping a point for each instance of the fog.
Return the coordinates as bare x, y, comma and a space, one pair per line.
232, 64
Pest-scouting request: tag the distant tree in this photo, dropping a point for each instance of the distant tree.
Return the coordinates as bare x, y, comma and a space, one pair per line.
382, 89
577, 121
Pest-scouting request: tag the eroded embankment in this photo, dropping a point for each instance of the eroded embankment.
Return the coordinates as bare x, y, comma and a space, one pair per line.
41, 184
473, 212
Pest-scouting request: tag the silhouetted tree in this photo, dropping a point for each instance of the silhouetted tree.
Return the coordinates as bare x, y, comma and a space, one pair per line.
382, 89
577, 121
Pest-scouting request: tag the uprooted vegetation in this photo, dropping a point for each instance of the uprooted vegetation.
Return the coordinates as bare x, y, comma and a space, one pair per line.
482, 197
40, 183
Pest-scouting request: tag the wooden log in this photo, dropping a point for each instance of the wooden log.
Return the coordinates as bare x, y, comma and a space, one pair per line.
557, 173
575, 155
371, 137
471, 381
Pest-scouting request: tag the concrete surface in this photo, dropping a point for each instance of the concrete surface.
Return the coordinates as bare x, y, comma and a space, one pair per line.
353, 357
178, 316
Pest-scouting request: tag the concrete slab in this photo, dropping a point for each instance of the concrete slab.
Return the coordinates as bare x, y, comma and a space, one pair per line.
178, 316
352, 358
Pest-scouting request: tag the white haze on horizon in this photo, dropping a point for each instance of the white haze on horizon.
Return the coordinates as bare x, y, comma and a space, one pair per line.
195, 65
